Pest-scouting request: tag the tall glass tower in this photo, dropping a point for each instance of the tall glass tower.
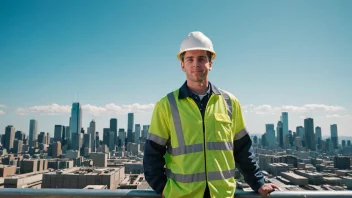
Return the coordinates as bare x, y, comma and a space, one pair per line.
75, 126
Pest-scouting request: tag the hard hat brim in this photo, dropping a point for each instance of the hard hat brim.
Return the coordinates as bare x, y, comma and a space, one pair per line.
196, 48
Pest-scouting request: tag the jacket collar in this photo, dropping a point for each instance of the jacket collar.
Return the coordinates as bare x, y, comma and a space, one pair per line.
184, 91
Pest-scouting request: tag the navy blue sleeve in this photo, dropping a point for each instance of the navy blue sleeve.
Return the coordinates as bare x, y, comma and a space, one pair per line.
153, 165
246, 162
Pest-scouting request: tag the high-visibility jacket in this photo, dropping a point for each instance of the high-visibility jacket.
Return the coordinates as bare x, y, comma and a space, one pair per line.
195, 157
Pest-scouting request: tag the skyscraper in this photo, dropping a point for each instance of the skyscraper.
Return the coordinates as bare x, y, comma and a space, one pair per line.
284, 120
130, 127
87, 141
19, 135
328, 145
300, 132
264, 142
58, 133
97, 139
255, 139
122, 136
17, 146
343, 143
33, 129
112, 141
92, 128
67, 136
137, 134
334, 136
318, 136
48, 138
56, 151
145, 132
106, 136
270, 135
309, 133
280, 134
290, 135
42, 138
76, 125
9, 138
113, 128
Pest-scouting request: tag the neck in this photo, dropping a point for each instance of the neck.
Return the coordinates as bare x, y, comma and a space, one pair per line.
198, 87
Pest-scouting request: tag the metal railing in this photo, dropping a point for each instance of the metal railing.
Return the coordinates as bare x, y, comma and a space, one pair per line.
121, 193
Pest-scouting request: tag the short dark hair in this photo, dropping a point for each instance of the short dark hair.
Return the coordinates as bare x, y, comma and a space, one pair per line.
209, 54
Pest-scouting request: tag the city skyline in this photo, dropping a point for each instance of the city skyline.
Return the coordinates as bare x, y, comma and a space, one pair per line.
274, 57
269, 128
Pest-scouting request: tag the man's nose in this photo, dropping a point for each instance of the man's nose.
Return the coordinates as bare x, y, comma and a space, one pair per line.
196, 63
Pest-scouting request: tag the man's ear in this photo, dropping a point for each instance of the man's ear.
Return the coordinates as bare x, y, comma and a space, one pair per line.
182, 66
210, 65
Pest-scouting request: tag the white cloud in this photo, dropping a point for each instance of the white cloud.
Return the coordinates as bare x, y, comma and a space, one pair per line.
268, 109
2, 106
52, 109
336, 116
107, 109
2, 112
117, 109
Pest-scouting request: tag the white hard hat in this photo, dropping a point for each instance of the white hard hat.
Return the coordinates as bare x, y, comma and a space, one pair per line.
196, 41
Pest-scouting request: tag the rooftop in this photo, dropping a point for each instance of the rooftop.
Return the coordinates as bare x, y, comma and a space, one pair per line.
84, 171
293, 175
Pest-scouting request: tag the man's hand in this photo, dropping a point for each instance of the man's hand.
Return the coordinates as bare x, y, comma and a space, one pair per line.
266, 189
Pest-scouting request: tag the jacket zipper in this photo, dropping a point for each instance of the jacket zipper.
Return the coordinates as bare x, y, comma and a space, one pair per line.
205, 156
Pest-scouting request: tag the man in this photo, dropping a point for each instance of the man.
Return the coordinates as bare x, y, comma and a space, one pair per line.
197, 135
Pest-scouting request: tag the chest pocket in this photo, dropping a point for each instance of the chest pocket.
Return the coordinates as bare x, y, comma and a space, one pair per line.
223, 127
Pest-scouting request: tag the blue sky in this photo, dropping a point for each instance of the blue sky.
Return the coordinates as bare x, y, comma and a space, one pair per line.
116, 57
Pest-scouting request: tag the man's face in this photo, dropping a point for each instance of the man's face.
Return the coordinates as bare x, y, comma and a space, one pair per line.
196, 65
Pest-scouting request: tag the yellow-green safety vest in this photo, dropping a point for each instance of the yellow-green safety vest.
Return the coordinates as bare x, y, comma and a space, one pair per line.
195, 157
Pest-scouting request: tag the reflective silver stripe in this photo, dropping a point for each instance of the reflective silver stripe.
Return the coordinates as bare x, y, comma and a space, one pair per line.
177, 120
219, 145
221, 175
228, 103
241, 134
196, 177
157, 139
185, 149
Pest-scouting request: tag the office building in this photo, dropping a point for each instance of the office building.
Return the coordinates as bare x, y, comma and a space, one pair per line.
114, 129
309, 134
92, 130
318, 136
342, 162
145, 132
122, 137
58, 133
334, 136
106, 136
9, 138
280, 134
99, 159
137, 133
33, 129
130, 125
79, 178
17, 146
75, 126
284, 120
56, 149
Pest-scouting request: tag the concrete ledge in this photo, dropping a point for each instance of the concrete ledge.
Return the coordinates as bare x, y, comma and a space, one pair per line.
80, 193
